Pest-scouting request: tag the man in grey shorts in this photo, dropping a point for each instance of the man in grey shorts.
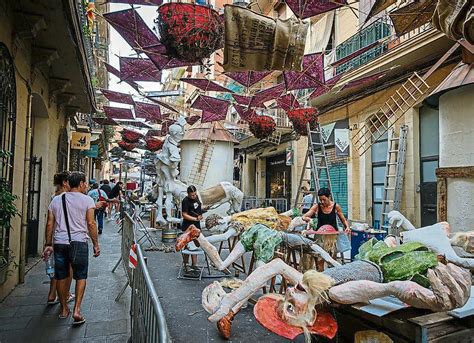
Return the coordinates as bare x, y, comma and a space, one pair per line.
71, 214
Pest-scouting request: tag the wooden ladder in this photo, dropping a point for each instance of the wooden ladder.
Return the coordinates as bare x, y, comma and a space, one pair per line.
202, 161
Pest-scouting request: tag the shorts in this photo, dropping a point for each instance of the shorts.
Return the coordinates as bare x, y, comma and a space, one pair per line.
262, 240
75, 255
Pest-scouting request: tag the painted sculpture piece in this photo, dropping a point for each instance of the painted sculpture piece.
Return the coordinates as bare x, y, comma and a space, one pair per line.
411, 272
167, 161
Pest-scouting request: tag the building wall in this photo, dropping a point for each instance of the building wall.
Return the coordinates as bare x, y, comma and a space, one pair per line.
456, 141
30, 84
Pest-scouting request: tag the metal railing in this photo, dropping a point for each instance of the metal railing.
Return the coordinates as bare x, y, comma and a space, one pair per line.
280, 204
147, 316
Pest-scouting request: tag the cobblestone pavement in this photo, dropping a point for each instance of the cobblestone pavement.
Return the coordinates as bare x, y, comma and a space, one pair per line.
25, 317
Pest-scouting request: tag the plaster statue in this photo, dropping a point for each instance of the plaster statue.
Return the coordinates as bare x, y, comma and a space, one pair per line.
298, 311
434, 237
167, 161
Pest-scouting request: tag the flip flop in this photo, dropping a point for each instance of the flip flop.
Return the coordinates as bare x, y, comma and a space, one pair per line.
52, 302
71, 297
64, 317
79, 321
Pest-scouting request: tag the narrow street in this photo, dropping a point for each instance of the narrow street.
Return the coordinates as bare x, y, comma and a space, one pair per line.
25, 317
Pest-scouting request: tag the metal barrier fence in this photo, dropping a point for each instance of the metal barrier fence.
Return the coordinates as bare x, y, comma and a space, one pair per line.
280, 204
148, 321
147, 316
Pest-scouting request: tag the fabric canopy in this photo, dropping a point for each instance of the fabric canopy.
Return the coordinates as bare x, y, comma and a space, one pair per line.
137, 2
116, 73
118, 97
210, 117
206, 85
211, 105
312, 74
134, 30
138, 69
147, 111
288, 102
118, 112
244, 112
248, 78
319, 34
267, 94
308, 8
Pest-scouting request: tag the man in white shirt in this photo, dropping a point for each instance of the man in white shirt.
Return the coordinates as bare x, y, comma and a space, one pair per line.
71, 215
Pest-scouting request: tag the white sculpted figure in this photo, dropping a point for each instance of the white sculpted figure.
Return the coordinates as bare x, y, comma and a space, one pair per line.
167, 161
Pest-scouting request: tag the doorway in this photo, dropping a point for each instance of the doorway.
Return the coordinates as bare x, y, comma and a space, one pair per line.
278, 180
429, 161
34, 195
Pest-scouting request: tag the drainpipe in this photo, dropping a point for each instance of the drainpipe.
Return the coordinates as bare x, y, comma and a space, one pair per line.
26, 177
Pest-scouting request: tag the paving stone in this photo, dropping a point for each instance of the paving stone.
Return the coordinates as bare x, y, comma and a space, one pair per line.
14, 323
21, 292
118, 339
7, 311
30, 300
107, 328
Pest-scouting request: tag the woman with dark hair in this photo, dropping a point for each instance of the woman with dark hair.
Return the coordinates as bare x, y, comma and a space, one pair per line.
191, 211
326, 211
114, 197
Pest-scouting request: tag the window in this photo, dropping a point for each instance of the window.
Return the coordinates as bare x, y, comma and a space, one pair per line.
7, 133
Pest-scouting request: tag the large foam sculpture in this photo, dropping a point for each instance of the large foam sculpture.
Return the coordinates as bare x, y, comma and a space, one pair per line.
434, 237
167, 183
359, 281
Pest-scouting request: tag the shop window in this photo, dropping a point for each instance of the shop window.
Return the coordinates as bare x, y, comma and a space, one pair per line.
7, 136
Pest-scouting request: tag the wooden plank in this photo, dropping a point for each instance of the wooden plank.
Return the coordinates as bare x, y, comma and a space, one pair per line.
455, 172
432, 318
460, 336
442, 200
440, 61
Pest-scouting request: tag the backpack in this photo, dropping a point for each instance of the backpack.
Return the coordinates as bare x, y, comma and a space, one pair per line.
101, 198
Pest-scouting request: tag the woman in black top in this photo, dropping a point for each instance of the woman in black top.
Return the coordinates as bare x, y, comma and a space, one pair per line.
326, 211
192, 211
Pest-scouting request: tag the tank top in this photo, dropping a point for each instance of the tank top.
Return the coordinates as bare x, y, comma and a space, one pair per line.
325, 219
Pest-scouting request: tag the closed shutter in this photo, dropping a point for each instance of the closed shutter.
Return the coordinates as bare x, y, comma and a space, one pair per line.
338, 174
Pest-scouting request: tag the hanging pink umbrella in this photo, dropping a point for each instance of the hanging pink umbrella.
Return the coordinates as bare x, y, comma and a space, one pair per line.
309, 8
138, 69
323, 89
242, 99
288, 102
211, 105
147, 111
137, 2
245, 113
267, 94
114, 71
162, 61
248, 78
118, 112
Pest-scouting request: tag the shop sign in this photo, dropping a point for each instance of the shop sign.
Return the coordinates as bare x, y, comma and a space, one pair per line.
341, 142
289, 156
80, 140
326, 131
92, 152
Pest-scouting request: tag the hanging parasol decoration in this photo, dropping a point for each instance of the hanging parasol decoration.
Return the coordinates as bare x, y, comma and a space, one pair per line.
153, 144
266, 95
242, 99
153, 133
130, 136
134, 30
288, 102
162, 104
311, 75
117, 97
412, 16
262, 126
300, 117
164, 62
208, 117
211, 105
323, 89
309, 8
118, 112
147, 111
192, 119
190, 32
138, 69
166, 125
104, 121
114, 71
248, 78
127, 146
206, 85
137, 2
244, 112
135, 123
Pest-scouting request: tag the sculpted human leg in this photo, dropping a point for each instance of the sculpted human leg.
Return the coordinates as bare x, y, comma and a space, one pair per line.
222, 237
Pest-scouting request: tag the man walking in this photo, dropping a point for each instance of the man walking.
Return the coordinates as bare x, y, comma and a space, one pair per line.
72, 216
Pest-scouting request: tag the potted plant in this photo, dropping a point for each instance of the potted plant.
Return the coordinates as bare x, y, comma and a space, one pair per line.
7, 211
262, 126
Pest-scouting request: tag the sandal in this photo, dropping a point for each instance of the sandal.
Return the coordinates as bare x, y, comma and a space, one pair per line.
71, 297
53, 302
79, 321
64, 317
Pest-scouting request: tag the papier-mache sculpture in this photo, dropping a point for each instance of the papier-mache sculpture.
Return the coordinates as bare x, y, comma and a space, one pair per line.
411, 272
167, 183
